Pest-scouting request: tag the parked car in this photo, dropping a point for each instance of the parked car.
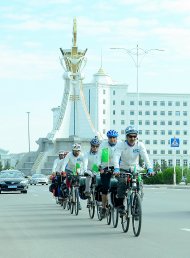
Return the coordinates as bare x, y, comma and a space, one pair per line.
38, 179
13, 181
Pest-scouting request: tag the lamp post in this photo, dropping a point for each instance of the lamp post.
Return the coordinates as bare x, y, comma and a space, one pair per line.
140, 54
28, 114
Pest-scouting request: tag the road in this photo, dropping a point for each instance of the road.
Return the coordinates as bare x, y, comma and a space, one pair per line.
33, 226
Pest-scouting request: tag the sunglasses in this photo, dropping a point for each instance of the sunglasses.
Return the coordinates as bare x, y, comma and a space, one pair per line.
132, 136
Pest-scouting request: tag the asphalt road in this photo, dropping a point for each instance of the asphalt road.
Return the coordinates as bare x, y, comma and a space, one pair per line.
33, 226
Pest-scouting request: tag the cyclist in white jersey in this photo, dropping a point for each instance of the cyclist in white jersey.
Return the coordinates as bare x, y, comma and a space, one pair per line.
108, 148
128, 159
92, 161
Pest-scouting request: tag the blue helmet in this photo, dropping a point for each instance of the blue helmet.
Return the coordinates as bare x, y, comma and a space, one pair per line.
131, 130
95, 141
112, 133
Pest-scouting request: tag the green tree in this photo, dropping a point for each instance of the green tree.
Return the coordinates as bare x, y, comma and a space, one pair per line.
156, 167
164, 165
1, 166
7, 165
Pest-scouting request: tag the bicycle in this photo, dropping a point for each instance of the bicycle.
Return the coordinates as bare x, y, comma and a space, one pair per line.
73, 197
132, 201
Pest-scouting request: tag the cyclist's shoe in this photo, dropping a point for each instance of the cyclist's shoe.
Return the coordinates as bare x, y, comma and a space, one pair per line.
136, 218
87, 194
80, 208
103, 213
121, 210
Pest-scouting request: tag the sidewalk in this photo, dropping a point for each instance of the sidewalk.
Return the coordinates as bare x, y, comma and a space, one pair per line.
179, 186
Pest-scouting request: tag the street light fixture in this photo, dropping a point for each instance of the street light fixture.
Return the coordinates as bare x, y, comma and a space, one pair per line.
138, 52
28, 113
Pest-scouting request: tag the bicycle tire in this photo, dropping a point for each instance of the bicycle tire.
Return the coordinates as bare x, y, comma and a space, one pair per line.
91, 206
99, 213
64, 204
115, 216
136, 211
109, 215
76, 201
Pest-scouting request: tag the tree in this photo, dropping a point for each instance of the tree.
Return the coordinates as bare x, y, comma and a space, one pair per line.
157, 167
1, 166
7, 165
164, 165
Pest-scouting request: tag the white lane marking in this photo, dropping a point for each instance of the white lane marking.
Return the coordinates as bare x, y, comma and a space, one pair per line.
186, 229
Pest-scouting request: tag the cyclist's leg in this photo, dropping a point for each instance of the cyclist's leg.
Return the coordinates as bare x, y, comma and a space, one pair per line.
121, 189
105, 179
87, 186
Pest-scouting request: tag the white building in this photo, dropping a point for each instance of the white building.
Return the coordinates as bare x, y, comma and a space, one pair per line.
160, 117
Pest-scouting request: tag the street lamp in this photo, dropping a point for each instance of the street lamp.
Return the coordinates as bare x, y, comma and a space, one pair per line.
28, 113
138, 52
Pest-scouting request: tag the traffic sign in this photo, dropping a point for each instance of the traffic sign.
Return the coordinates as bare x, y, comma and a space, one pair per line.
174, 142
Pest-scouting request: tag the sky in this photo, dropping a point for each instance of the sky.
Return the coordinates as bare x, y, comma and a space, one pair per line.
33, 31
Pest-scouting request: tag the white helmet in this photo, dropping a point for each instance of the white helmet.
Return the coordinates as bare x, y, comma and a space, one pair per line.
61, 152
76, 147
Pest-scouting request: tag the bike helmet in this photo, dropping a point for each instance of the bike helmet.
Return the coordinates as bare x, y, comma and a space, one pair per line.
61, 153
131, 130
76, 147
112, 133
95, 141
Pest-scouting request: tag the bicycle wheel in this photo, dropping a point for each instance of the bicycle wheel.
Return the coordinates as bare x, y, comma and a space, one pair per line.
76, 201
91, 205
115, 216
136, 211
72, 203
125, 221
99, 211
109, 215
65, 203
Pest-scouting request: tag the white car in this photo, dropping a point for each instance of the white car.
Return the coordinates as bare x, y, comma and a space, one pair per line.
38, 179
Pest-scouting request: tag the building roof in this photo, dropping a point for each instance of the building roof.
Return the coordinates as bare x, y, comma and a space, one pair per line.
101, 77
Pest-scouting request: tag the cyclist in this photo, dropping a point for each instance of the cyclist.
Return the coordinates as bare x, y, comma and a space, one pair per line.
128, 159
73, 164
108, 148
92, 161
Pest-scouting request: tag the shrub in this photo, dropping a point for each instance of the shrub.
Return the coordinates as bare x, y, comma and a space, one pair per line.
157, 179
168, 175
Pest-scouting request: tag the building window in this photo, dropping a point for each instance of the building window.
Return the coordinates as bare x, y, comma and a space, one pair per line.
177, 132
132, 113
113, 122
140, 131
147, 122
184, 151
162, 142
122, 131
178, 152
185, 162
177, 113
170, 163
104, 101
184, 122
140, 122
162, 122
177, 103
122, 112
162, 152
185, 104
147, 113
122, 102
155, 132
162, 132
184, 132
162, 113
132, 103
140, 113
104, 91
147, 103
147, 132
113, 92
177, 122
170, 152
147, 142
104, 111
170, 103
155, 141
154, 103
113, 102
169, 113
140, 103
185, 142
155, 113
185, 113
169, 132
162, 103
154, 151
104, 121
104, 131
113, 112
154, 122
132, 122
169, 122
122, 122
177, 161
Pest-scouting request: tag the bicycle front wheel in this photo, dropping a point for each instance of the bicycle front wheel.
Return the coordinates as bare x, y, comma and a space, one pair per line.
136, 211
99, 211
76, 201
91, 205
115, 216
109, 215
